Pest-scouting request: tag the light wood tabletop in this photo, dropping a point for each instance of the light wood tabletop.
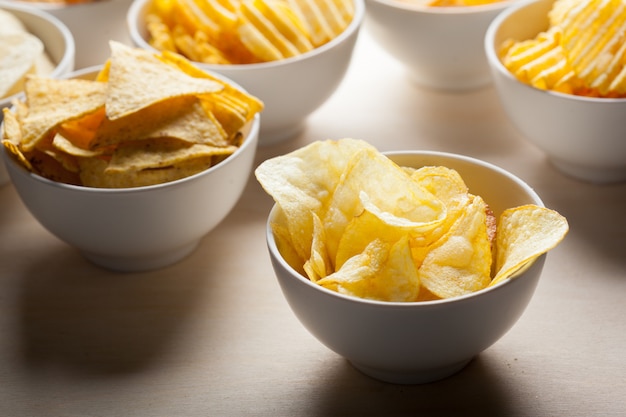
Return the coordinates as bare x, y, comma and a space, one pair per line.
213, 335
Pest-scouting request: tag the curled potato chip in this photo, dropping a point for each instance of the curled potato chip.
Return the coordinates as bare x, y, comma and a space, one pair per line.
524, 234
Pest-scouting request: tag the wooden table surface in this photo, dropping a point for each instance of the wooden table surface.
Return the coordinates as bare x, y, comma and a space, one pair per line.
213, 336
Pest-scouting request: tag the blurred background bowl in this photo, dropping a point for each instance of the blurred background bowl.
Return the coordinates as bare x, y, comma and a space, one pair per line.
292, 88
93, 24
142, 228
583, 137
441, 47
58, 42
417, 342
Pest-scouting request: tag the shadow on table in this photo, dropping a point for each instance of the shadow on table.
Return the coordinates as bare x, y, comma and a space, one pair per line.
476, 390
90, 320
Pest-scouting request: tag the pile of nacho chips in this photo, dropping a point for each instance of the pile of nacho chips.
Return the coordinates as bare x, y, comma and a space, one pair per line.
145, 119
354, 222
583, 52
245, 31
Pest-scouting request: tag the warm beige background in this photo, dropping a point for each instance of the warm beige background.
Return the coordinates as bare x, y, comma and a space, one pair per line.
212, 335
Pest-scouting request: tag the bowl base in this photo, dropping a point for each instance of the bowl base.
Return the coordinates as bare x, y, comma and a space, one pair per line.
590, 174
411, 378
141, 263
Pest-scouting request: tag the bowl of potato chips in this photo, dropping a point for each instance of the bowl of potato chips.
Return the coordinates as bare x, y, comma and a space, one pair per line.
292, 55
31, 41
563, 89
440, 42
409, 263
133, 162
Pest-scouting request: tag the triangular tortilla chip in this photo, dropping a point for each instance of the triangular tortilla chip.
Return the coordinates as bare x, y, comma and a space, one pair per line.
138, 79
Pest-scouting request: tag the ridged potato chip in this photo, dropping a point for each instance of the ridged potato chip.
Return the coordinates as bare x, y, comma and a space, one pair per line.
582, 52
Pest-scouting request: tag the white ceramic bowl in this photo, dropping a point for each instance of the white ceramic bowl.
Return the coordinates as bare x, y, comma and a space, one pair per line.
142, 228
58, 43
93, 24
291, 89
582, 137
441, 47
417, 342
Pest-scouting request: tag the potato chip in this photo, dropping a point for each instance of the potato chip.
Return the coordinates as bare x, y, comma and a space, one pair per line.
381, 272
460, 262
524, 234
354, 222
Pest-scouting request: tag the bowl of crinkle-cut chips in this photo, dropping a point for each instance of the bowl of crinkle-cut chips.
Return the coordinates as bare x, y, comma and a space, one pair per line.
132, 162
558, 68
292, 54
407, 263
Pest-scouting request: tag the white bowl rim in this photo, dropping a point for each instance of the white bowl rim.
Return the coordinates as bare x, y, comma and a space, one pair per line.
70, 45
273, 248
443, 10
355, 24
492, 56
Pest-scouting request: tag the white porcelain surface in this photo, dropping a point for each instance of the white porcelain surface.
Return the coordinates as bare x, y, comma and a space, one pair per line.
291, 89
93, 24
410, 343
143, 228
583, 137
57, 39
441, 47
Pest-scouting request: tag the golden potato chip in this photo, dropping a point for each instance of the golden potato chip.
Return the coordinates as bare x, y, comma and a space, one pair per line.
524, 234
460, 262
381, 272
138, 79
303, 181
354, 222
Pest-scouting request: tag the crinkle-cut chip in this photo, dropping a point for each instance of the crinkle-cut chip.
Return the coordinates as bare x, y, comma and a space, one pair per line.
227, 113
138, 79
286, 22
388, 188
525, 233
595, 42
182, 118
257, 43
138, 155
267, 29
92, 173
382, 272
319, 265
55, 101
159, 33
324, 18
460, 263
303, 181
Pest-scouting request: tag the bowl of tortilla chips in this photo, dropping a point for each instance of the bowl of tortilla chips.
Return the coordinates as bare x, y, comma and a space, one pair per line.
133, 162
31, 41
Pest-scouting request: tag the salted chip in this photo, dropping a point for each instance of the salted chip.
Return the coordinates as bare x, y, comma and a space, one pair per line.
525, 233
381, 272
390, 193
460, 262
183, 118
303, 181
138, 155
55, 101
138, 79
319, 264
594, 40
